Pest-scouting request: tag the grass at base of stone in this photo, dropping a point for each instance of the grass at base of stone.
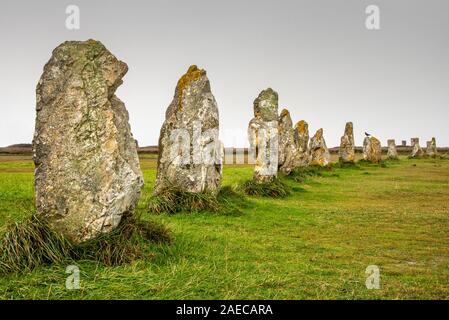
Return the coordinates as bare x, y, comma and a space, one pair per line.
302, 173
174, 200
33, 243
363, 162
29, 244
345, 165
273, 189
231, 201
124, 244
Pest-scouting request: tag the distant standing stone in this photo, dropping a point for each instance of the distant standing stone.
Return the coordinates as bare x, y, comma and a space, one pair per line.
432, 150
287, 147
347, 151
319, 154
372, 150
417, 151
190, 153
301, 135
392, 152
87, 168
263, 136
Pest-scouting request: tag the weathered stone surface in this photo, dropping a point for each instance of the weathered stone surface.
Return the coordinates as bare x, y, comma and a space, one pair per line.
190, 153
417, 151
266, 105
263, 136
392, 152
87, 168
287, 147
319, 154
372, 150
301, 135
347, 151
431, 150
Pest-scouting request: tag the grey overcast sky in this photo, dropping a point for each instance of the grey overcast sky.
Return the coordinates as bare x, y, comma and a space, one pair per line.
317, 54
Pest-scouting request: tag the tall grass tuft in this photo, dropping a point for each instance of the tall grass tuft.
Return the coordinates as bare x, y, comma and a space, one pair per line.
33, 243
228, 201
124, 244
363, 162
345, 165
174, 200
274, 189
231, 201
302, 173
29, 244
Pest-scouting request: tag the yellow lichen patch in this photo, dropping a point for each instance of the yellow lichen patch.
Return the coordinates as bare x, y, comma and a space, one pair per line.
192, 74
301, 126
374, 142
111, 146
284, 113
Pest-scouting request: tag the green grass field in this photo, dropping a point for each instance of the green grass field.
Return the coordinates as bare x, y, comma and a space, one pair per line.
314, 244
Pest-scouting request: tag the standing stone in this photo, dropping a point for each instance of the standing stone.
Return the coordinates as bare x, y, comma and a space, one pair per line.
263, 136
347, 151
392, 152
190, 153
372, 150
417, 151
287, 147
319, 154
87, 169
301, 136
431, 150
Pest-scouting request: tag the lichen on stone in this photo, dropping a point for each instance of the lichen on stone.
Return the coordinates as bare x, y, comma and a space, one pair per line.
191, 162
372, 151
301, 126
87, 169
192, 74
319, 154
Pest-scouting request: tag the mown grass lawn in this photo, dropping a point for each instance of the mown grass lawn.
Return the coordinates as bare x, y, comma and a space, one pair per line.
314, 244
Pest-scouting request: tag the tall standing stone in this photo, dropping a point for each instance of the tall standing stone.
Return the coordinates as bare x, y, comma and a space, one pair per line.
190, 153
372, 150
432, 150
417, 151
87, 169
287, 147
392, 151
263, 136
301, 135
347, 145
319, 154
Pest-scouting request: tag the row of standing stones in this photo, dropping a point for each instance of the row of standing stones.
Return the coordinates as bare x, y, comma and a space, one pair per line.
87, 174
